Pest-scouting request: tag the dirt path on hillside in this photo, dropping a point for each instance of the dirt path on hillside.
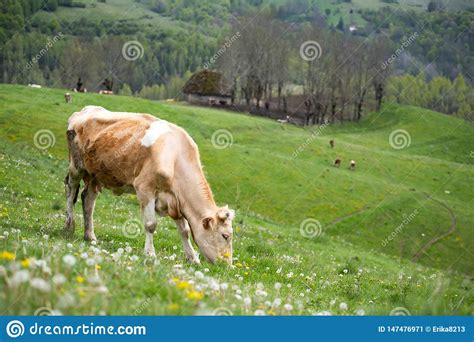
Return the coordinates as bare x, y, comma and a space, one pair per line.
341, 218
442, 236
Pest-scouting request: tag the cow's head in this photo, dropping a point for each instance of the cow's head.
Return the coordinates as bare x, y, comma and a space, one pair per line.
215, 237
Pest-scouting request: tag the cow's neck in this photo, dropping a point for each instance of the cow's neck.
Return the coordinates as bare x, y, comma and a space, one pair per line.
195, 197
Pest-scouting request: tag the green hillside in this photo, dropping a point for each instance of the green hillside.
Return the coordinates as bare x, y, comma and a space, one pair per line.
277, 176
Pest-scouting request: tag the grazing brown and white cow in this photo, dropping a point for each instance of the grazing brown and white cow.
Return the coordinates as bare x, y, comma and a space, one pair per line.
157, 160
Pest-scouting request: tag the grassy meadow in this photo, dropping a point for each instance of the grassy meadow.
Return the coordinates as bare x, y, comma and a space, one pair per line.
393, 236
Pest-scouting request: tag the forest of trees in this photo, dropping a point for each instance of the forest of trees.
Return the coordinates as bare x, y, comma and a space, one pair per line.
263, 65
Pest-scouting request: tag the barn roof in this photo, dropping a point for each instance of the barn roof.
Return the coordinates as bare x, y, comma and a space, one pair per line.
207, 83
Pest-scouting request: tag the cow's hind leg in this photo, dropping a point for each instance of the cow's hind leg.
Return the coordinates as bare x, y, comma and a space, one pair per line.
185, 231
89, 196
71, 183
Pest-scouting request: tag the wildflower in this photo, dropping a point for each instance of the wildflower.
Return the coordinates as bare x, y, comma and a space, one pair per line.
84, 255
80, 279
40, 284
226, 255
46, 236
206, 270
224, 286
128, 249
289, 275
261, 293
259, 313
173, 306
66, 300
343, 306
199, 274
247, 301
288, 307
134, 258
69, 260
277, 286
182, 285
360, 312
5, 255
323, 313
69, 245
102, 289
93, 242
195, 295
59, 279
25, 263
19, 278
90, 262
277, 302
120, 251
238, 264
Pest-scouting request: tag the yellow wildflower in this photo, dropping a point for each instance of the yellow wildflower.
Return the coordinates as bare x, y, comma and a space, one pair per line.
226, 255
6, 255
98, 267
175, 280
80, 279
173, 307
25, 263
183, 285
195, 295
238, 264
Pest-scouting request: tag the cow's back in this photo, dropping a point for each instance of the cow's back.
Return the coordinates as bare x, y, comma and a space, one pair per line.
115, 147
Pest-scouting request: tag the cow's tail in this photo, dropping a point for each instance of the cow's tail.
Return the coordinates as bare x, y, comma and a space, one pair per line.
74, 159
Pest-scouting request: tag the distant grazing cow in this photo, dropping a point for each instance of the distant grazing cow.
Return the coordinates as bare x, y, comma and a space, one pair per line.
68, 98
34, 85
157, 160
337, 163
331, 142
352, 165
106, 92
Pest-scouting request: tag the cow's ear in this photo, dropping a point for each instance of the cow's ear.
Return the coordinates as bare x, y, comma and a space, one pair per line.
208, 223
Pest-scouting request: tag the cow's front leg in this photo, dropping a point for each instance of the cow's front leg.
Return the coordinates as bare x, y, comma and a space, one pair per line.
147, 205
184, 231
89, 196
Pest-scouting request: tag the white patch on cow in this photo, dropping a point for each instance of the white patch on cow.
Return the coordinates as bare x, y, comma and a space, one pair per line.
156, 129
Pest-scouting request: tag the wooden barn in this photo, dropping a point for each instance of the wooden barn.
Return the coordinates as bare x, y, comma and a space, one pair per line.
207, 87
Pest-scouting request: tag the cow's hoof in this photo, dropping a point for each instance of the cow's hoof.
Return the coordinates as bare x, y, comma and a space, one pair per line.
90, 237
150, 254
193, 259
